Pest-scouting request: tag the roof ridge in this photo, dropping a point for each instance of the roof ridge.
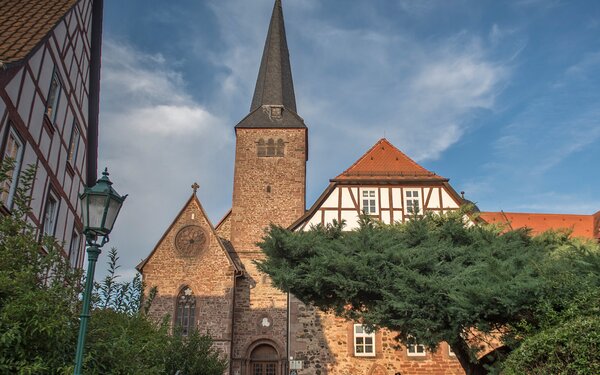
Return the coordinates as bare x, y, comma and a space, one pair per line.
409, 169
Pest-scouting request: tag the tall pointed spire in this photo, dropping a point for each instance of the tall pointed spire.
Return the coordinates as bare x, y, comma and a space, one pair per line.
274, 85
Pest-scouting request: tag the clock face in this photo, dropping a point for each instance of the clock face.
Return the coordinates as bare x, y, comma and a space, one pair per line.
191, 240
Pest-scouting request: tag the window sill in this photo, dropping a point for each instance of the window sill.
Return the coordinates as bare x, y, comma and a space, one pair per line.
48, 125
367, 355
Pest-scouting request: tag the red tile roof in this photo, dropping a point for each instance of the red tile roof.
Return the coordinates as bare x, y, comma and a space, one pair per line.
385, 162
25, 23
580, 225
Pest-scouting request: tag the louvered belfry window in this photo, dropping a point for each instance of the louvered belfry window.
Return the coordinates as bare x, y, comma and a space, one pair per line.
270, 148
185, 316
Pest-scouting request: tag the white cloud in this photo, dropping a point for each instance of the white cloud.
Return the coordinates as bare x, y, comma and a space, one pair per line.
156, 141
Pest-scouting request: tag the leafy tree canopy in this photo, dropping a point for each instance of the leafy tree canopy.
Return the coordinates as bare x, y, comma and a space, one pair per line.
432, 278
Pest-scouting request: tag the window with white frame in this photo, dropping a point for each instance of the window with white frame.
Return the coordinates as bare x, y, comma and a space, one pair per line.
13, 150
415, 349
74, 145
53, 96
412, 201
50, 213
364, 341
369, 201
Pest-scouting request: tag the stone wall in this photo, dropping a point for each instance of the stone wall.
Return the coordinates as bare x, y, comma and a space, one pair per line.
208, 273
266, 190
325, 345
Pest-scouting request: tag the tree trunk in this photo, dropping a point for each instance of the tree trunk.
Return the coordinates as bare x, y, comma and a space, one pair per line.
462, 352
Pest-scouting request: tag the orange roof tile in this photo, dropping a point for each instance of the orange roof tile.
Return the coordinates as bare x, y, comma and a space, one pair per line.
385, 162
581, 225
24, 23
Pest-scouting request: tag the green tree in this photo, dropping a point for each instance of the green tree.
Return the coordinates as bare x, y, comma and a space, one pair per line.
431, 279
38, 292
40, 305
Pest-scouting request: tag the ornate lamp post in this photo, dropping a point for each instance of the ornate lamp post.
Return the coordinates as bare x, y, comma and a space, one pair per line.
100, 206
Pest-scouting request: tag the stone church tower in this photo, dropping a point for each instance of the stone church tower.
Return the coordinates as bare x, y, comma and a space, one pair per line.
205, 275
268, 188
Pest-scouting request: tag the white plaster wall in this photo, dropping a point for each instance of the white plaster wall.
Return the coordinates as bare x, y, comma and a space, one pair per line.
351, 219
385, 198
397, 198
385, 217
434, 201
330, 216
38, 191
332, 200
12, 88
35, 61
45, 75
26, 97
447, 200
314, 220
346, 198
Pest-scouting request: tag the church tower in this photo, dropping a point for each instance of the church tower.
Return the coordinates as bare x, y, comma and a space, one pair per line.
268, 188
271, 148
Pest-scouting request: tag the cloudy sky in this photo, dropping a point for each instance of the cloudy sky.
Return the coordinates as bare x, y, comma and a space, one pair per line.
503, 98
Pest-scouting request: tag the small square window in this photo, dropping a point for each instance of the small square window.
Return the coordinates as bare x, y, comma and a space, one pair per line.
369, 202
416, 350
364, 341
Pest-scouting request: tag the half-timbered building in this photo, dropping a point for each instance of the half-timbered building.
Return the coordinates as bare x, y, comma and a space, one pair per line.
49, 90
206, 276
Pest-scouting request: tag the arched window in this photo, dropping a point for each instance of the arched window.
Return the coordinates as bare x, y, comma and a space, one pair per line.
185, 315
271, 147
262, 148
280, 147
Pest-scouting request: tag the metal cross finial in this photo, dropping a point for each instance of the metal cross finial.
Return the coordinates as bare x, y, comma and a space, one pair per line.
195, 187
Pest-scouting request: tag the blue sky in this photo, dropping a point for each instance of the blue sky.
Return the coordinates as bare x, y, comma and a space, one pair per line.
502, 97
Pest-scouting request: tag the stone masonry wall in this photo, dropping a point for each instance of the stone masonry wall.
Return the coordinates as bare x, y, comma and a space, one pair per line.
325, 344
209, 274
266, 190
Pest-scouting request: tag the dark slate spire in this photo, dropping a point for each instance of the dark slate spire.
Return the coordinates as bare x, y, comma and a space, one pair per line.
274, 102
274, 85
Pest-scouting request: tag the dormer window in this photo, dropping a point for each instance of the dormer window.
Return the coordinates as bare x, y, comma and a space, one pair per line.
276, 112
270, 147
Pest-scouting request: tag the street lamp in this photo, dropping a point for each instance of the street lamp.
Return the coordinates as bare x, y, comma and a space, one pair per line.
100, 206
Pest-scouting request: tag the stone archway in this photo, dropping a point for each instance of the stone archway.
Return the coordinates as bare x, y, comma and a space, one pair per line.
377, 370
264, 360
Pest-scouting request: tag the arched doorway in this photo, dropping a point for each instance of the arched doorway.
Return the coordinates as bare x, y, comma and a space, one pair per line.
264, 360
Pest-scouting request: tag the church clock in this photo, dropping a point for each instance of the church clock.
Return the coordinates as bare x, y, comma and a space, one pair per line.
191, 240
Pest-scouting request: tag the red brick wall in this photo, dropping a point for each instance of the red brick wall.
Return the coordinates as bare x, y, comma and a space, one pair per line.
325, 345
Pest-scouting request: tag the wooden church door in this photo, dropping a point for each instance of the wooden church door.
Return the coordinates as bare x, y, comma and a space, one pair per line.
264, 361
